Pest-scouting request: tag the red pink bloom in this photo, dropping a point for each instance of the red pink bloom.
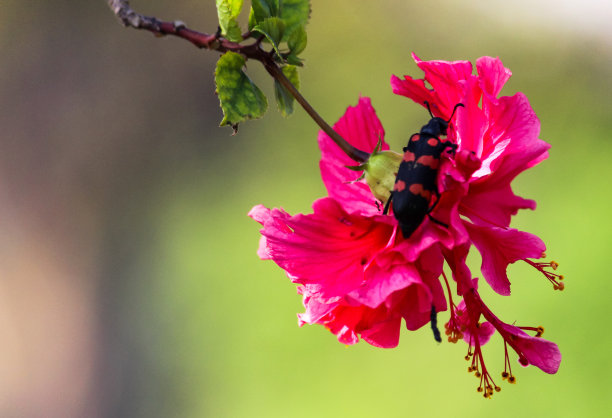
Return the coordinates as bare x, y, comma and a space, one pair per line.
360, 278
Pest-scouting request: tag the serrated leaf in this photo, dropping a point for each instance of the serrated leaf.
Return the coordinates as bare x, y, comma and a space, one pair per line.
294, 13
284, 99
297, 40
252, 19
228, 11
263, 9
273, 28
240, 98
293, 60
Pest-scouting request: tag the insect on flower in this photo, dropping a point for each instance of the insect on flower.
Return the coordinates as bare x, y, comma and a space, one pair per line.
416, 182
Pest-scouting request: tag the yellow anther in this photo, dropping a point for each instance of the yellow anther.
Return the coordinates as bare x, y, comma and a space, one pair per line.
554, 265
512, 379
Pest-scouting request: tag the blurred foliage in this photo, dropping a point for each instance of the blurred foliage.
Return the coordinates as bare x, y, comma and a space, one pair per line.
119, 130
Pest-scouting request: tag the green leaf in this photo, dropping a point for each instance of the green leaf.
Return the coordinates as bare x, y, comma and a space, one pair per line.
240, 98
297, 40
294, 60
294, 13
262, 9
284, 99
228, 11
273, 28
252, 19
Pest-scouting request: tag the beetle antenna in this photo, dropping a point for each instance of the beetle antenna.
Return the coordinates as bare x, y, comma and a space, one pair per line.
428, 108
454, 110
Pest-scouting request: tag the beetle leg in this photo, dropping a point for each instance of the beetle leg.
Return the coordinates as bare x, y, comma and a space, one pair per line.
386, 210
429, 215
436, 221
433, 318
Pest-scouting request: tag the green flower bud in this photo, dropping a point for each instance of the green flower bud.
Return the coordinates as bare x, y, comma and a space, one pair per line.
380, 171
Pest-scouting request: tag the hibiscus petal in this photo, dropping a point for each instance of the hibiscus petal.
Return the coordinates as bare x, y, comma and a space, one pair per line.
541, 353
361, 128
262, 215
375, 326
380, 282
355, 197
411, 88
471, 123
328, 248
492, 206
514, 123
485, 332
384, 334
500, 247
493, 75
447, 79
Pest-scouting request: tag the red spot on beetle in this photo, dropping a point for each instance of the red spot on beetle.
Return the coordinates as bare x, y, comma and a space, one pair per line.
433, 141
399, 186
409, 156
429, 161
417, 189
415, 138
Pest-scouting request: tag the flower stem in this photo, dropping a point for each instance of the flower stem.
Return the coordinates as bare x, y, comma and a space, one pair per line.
130, 18
354, 153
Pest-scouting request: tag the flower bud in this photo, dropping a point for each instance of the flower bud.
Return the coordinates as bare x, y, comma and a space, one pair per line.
380, 172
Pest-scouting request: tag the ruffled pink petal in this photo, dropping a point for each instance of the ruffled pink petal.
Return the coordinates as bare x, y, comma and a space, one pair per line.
262, 214
493, 206
484, 334
329, 249
493, 75
381, 281
430, 264
469, 321
500, 247
355, 197
411, 88
447, 80
414, 304
361, 128
316, 309
376, 326
384, 334
515, 127
471, 123
456, 260
541, 353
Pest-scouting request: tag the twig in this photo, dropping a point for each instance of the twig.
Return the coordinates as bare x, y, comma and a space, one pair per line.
129, 18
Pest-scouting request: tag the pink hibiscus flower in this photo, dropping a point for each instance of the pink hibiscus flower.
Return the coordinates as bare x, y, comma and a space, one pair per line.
359, 277
354, 280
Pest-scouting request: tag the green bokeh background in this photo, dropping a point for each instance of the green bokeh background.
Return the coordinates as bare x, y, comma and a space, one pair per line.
111, 151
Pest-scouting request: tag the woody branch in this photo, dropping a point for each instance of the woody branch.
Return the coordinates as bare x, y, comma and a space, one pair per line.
129, 18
